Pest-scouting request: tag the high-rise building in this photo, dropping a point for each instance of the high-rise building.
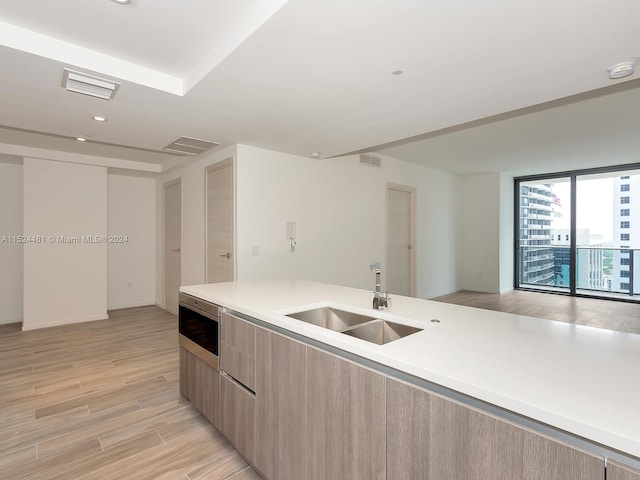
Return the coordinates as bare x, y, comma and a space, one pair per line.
537, 259
626, 233
589, 262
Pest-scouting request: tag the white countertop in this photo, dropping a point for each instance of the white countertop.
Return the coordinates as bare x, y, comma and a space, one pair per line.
580, 379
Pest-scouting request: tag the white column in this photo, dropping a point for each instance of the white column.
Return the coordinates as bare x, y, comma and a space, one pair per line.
65, 260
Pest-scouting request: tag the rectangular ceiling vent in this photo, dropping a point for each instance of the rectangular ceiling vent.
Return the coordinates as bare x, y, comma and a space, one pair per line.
190, 146
370, 160
85, 84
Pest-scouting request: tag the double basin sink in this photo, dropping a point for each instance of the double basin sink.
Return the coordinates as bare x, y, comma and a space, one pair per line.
364, 327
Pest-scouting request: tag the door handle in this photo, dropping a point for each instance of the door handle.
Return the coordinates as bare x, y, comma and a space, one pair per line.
228, 255
175, 250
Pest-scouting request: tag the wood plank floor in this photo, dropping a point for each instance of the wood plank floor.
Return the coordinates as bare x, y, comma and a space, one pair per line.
612, 315
100, 400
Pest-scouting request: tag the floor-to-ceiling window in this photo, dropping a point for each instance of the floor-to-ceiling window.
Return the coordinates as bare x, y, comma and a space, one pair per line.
575, 232
543, 234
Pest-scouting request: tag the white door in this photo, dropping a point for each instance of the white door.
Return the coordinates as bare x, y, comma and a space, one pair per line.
172, 244
220, 222
400, 240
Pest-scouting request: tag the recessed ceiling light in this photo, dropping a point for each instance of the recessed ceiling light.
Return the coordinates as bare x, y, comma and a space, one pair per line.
621, 70
98, 118
122, 2
81, 139
315, 155
396, 71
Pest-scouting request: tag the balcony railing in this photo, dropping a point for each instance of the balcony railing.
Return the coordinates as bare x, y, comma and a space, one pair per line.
602, 271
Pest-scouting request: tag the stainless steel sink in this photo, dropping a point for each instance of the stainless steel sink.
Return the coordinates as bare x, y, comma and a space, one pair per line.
364, 327
331, 318
381, 331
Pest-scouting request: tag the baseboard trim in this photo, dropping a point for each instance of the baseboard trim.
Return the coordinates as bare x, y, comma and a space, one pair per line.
131, 305
7, 321
66, 321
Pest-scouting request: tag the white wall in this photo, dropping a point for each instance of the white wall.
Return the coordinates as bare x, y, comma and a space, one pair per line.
64, 282
481, 245
193, 246
10, 225
487, 248
506, 232
131, 207
339, 207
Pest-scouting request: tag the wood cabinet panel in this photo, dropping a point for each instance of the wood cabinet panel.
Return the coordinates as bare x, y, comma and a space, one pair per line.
464, 444
346, 419
549, 459
281, 405
237, 423
238, 349
238, 365
407, 432
201, 385
184, 372
238, 333
431, 437
616, 471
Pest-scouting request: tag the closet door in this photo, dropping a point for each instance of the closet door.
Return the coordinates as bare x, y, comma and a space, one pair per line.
220, 221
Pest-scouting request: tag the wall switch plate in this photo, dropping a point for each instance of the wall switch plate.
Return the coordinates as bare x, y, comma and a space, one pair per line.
255, 251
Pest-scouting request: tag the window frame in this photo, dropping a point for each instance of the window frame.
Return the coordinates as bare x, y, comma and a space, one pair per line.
573, 176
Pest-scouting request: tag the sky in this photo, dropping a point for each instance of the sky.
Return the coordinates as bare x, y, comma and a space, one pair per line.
594, 205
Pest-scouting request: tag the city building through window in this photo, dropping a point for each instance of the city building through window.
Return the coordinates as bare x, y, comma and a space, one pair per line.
574, 233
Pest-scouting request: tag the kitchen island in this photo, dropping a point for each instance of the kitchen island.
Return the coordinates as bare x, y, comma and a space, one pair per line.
540, 380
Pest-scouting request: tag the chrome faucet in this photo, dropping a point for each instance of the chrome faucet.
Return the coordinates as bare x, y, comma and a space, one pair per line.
380, 301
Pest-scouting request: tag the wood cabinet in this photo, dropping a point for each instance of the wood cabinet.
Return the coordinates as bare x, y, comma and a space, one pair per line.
616, 471
549, 459
407, 432
200, 383
238, 349
237, 423
297, 412
238, 400
431, 437
184, 371
466, 444
346, 419
281, 406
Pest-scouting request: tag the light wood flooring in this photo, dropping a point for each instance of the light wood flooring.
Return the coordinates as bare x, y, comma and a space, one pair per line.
100, 400
612, 315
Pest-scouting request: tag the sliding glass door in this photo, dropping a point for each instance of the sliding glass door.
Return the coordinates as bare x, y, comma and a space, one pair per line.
575, 233
544, 234
608, 212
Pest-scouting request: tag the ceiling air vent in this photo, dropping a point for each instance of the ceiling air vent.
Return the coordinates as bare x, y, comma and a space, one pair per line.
190, 146
78, 82
370, 160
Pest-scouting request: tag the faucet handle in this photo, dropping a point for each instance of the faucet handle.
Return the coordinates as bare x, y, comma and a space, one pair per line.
375, 266
386, 300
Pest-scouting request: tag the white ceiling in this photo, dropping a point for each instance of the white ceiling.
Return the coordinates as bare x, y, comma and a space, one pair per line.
303, 76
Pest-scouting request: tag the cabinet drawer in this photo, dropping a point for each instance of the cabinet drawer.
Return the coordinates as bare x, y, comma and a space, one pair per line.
238, 350
240, 334
237, 422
